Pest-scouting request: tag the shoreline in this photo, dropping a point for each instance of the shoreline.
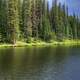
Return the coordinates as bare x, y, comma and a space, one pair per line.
53, 43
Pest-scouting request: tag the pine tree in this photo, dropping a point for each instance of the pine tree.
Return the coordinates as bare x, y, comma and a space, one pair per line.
67, 28
3, 20
27, 23
78, 27
20, 18
74, 27
67, 24
34, 20
46, 27
60, 23
56, 26
0, 20
13, 21
39, 17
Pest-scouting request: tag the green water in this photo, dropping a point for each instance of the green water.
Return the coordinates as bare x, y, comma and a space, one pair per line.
36, 63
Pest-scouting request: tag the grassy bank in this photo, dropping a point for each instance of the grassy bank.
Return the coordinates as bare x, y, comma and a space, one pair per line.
41, 43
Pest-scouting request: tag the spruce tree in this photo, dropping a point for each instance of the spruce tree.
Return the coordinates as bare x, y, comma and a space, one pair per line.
60, 23
3, 20
74, 27
27, 23
13, 21
46, 27
34, 20
78, 27
0, 20
67, 28
39, 17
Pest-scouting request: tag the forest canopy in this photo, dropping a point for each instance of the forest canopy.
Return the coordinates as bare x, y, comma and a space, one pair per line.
33, 19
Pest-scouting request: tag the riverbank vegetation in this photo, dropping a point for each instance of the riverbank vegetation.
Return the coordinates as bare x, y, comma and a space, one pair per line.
33, 22
66, 43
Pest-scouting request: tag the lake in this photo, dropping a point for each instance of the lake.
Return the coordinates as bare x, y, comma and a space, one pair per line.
40, 63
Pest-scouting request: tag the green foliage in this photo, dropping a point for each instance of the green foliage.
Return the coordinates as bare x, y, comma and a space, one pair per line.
27, 23
46, 31
13, 22
32, 20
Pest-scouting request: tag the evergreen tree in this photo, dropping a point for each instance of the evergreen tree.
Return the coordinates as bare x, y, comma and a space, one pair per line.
3, 20
60, 23
34, 20
39, 17
20, 2
78, 28
67, 28
74, 27
55, 20
13, 21
27, 23
0, 20
46, 27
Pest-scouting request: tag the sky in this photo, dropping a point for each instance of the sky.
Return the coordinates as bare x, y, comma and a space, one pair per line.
73, 5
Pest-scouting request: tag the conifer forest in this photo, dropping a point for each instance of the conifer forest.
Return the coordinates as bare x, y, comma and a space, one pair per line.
28, 20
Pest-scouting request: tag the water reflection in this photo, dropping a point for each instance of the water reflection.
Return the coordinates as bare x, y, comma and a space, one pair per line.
47, 63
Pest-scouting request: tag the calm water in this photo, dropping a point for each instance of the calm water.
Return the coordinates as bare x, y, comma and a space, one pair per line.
47, 63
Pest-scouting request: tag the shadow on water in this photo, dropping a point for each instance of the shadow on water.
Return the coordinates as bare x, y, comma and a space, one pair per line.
46, 63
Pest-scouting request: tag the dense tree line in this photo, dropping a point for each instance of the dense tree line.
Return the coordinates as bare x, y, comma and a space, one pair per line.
33, 19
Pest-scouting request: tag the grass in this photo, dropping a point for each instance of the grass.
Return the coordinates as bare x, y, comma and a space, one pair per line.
42, 43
